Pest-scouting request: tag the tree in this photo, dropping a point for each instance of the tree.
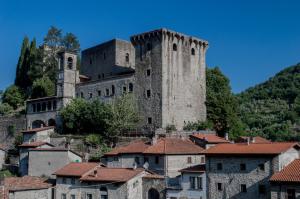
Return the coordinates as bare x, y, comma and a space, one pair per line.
43, 87
70, 42
5, 109
222, 106
13, 96
36, 70
24, 48
53, 39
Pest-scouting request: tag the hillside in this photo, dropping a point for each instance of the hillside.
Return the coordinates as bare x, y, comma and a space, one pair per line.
272, 109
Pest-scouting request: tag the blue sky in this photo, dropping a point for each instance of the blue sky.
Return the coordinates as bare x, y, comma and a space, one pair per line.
249, 40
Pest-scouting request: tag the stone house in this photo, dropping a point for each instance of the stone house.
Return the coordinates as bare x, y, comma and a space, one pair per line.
23, 154
192, 184
165, 156
207, 140
26, 187
91, 181
38, 134
164, 69
45, 161
243, 170
286, 183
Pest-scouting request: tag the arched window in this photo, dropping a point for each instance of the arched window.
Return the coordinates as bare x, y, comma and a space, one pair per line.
153, 194
70, 63
112, 90
149, 47
103, 193
130, 87
174, 47
193, 51
127, 58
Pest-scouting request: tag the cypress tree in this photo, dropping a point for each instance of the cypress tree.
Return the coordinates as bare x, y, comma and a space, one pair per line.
24, 47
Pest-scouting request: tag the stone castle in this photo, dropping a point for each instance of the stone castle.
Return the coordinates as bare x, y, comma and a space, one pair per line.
164, 69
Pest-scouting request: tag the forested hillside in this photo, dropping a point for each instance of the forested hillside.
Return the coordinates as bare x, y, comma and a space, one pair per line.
272, 108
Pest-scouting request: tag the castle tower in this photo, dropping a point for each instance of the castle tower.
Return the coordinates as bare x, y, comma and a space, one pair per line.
170, 78
67, 78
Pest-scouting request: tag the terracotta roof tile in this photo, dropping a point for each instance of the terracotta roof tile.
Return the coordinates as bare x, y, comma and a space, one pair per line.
291, 173
200, 168
76, 169
273, 148
38, 129
173, 146
257, 139
210, 138
103, 174
23, 183
34, 144
134, 147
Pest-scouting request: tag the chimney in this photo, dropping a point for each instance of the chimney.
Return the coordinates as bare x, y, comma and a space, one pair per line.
248, 140
134, 166
252, 139
42, 125
226, 136
154, 140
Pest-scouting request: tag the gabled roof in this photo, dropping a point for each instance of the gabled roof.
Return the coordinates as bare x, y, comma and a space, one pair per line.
209, 138
76, 169
291, 173
134, 147
200, 168
104, 174
173, 146
274, 148
257, 139
34, 144
38, 129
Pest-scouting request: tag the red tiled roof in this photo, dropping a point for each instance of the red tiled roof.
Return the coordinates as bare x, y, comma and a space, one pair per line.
34, 144
274, 148
257, 139
173, 146
76, 169
210, 138
104, 174
134, 147
200, 168
38, 129
22, 183
291, 173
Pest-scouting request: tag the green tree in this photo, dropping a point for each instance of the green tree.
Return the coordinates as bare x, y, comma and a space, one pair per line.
5, 109
222, 106
13, 96
43, 87
36, 70
70, 42
53, 39
24, 48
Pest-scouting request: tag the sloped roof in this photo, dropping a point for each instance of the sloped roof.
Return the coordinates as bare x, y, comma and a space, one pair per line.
134, 147
76, 169
274, 148
38, 129
34, 144
173, 146
209, 138
200, 168
104, 174
257, 139
291, 173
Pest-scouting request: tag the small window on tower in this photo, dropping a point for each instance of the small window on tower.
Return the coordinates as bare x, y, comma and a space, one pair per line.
127, 57
124, 89
174, 47
130, 87
149, 47
107, 92
81, 95
70, 63
149, 120
112, 90
99, 93
193, 51
148, 72
148, 93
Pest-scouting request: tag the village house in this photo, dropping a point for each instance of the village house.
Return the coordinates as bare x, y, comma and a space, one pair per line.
207, 140
243, 170
38, 134
254, 139
285, 184
192, 184
26, 187
45, 161
93, 181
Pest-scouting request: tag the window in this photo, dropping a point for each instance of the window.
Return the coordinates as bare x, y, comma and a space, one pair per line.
89, 196
192, 182
112, 90
243, 188
148, 73
124, 89
243, 167
70, 63
202, 159
130, 87
116, 158
54, 105
49, 105
91, 95
44, 106
149, 47
189, 160
81, 95
91, 61
73, 196
291, 194
99, 76
99, 93
146, 159
219, 187
103, 193
104, 56
193, 51
38, 107
149, 120
148, 93
72, 180
199, 182
261, 167
174, 47
102, 75
219, 166
107, 92
64, 180
156, 159
33, 107
261, 189
127, 58
63, 196
137, 160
